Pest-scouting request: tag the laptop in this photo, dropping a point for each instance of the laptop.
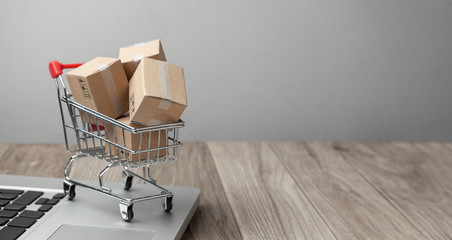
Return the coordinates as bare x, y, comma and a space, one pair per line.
36, 208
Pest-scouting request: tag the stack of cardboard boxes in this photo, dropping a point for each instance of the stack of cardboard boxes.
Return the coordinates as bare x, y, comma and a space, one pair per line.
139, 89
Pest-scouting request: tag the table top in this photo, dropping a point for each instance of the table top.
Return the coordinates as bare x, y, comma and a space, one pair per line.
290, 190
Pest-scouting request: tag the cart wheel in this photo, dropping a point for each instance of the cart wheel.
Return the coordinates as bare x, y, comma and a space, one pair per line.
167, 203
127, 182
126, 212
69, 190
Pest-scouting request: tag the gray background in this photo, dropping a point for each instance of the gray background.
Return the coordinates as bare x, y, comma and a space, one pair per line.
352, 70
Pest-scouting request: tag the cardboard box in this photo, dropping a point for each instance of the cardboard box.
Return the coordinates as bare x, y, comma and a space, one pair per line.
133, 141
157, 93
101, 85
131, 56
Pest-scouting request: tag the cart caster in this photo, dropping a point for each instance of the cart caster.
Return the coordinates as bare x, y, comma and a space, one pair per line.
126, 211
69, 190
127, 181
167, 203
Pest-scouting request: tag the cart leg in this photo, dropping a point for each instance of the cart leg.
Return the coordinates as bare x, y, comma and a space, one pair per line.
149, 175
126, 210
69, 163
69, 190
106, 189
167, 203
126, 180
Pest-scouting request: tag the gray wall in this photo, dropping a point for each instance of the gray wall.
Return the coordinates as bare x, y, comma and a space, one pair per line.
255, 70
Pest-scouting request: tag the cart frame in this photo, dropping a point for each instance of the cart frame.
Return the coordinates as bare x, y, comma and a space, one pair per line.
91, 127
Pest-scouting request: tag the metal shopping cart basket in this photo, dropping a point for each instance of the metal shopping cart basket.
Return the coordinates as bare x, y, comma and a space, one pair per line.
97, 135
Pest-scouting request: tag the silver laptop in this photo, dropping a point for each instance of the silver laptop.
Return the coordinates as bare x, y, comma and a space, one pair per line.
36, 208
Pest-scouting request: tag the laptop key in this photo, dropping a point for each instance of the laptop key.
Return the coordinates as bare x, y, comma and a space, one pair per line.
7, 214
22, 222
52, 201
59, 196
11, 191
28, 197
11, 233
45, 208
14, 207
8, 196
3, 202
31, 214
42, 201
3, 221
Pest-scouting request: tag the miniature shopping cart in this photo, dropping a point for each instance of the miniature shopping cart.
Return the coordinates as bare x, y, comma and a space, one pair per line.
96, 135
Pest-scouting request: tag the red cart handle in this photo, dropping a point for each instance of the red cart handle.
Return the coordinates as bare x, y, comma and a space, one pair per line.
56, 68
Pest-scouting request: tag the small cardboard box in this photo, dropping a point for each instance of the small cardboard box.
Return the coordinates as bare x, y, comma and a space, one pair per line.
133, 141
131, 56
157, 93
101, 85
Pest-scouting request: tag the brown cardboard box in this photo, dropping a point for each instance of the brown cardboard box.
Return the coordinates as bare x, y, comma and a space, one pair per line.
101, 85
131, 56
133, 141
157, 93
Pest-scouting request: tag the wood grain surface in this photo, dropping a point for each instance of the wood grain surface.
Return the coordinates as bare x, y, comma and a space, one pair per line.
265, 199
346, 201
289, 190
43, 160
196, 168
3, 148
416, 178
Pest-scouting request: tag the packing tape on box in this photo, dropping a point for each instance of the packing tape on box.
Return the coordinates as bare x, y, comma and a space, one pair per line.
110, 86
164, 104
165, 87
143, 43
165, 101
137, 58
154, 122
139, 44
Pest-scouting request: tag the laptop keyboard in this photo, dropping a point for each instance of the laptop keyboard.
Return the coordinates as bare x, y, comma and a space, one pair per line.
20, 209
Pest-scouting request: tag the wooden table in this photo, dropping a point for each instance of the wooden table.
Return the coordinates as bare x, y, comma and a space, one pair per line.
291, 190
